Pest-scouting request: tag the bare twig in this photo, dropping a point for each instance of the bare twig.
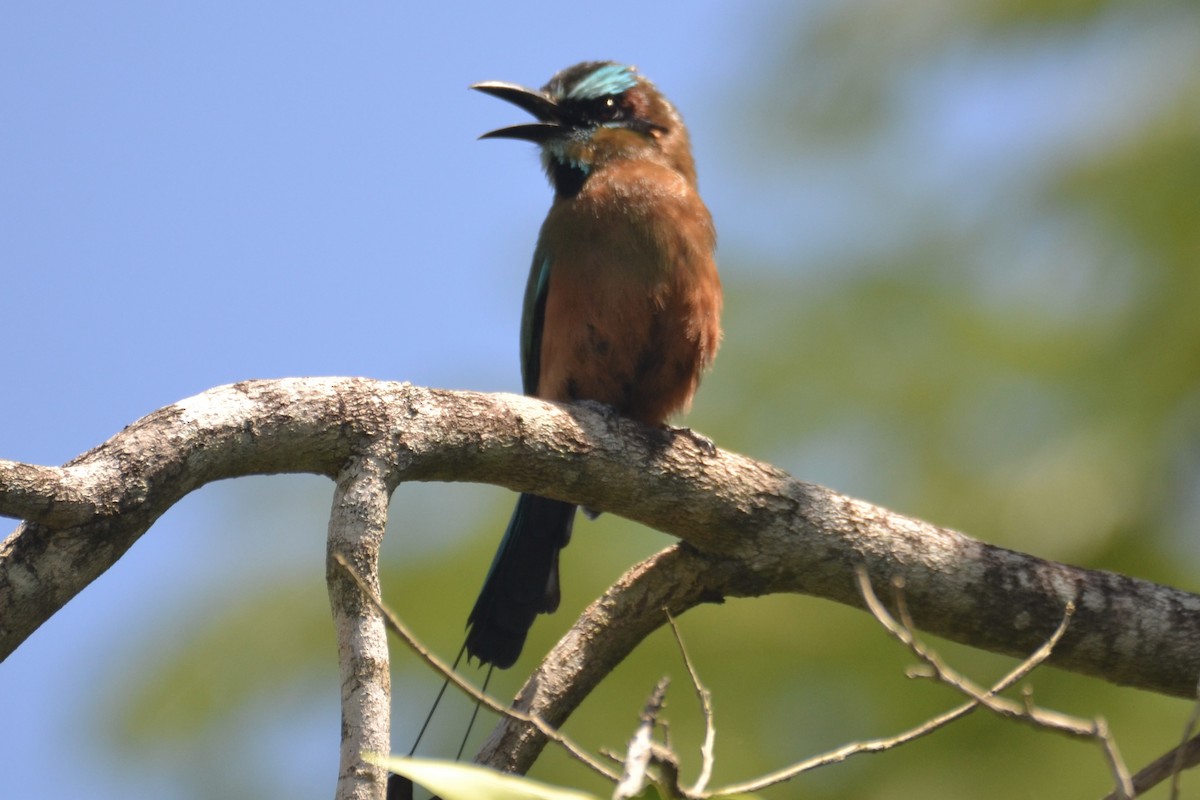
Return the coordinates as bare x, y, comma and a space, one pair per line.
1177, 768
1026, 711
1185, 756
705, 697
668, 768
443, 669
641, 751
842, 753
882, 744
1170, 764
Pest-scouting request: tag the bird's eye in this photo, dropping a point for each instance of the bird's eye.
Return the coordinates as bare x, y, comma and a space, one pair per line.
608, 109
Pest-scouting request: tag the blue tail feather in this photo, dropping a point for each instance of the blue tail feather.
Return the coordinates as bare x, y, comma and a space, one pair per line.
522, 582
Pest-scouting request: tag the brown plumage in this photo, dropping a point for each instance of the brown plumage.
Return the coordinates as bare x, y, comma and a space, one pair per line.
623, 302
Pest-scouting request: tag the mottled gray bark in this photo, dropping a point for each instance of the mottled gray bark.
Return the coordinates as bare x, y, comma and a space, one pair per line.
747, 528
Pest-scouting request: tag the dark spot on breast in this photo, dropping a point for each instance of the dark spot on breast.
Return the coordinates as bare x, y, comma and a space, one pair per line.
572, 389
650, 361
600, 345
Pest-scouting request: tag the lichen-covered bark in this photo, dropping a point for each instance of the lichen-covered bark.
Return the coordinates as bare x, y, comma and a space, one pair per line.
756, 529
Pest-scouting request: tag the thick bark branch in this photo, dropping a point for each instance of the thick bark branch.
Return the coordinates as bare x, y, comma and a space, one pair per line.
671, 581
754, 529
356, 525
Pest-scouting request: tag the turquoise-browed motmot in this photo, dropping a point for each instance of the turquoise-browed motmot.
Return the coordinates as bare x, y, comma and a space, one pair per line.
622, 305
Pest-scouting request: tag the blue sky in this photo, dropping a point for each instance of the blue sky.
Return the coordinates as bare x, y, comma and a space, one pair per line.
195, 194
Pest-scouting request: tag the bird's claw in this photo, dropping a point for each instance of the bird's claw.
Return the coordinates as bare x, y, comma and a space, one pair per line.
706, 445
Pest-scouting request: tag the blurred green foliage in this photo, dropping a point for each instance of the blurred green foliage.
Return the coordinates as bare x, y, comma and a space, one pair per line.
1001, 334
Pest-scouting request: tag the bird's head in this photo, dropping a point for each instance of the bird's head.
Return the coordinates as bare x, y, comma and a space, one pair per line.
592, 115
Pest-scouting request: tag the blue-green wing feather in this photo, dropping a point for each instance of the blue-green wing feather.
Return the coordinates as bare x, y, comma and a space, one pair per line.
532, 320
523, 579
522, 582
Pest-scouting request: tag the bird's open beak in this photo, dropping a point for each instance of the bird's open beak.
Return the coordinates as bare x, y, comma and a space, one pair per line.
540, 105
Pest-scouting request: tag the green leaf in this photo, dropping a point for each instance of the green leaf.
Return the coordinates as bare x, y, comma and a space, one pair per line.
452, 780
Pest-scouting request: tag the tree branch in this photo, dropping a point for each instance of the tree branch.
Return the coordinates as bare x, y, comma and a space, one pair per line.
749, 528
356, 525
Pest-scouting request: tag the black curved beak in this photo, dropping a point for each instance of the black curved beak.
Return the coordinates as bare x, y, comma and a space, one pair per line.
541, 105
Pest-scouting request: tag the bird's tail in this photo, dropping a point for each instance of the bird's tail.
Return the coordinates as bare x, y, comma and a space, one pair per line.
523, 580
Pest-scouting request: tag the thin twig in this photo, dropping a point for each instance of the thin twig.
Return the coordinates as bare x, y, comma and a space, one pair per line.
1177, 767
1026, 711
396, 626
882, 744
668, 770
1172, 763
641, 752
1185, 756
842, 753
705, 696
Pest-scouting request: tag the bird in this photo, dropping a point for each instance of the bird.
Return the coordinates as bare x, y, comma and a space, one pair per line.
622, 305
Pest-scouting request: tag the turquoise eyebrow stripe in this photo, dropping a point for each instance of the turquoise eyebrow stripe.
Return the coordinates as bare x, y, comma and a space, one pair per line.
609, 79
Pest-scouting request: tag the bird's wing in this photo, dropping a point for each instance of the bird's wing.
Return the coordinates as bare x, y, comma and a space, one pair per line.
532, 320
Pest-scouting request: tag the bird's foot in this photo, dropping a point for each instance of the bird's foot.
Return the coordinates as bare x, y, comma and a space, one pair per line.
706, 445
